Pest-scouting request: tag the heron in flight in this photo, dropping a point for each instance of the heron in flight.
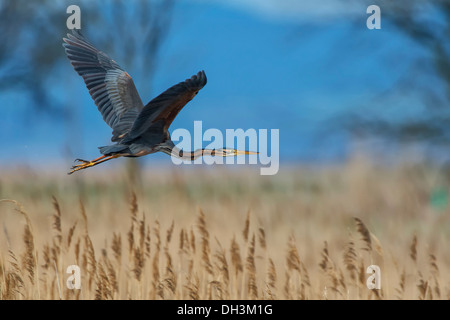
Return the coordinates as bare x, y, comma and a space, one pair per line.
138, 130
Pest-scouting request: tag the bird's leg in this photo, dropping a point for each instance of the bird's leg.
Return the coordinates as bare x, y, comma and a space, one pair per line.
86, 161
87, 164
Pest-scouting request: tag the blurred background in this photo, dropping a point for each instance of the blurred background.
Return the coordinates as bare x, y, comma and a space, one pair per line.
314, 71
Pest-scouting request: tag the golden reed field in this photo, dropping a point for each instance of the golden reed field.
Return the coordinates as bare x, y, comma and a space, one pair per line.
221, 233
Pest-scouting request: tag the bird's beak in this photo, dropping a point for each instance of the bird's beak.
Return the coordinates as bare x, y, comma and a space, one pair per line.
241, 152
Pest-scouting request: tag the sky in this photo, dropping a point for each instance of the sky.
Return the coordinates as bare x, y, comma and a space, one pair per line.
294, 66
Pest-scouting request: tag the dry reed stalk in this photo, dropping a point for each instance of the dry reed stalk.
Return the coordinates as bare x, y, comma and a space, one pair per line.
262, 238
46, 256
91, 261
83, 216
292, 257
350, 259
169, 235
218, 290
250, 267
246, 227
142, 233
413, 249
70, 235
192, 240
401, 289
133, 207
365, 234
193, 288
138, 251
157, 286
14, 284
57, 221
112, 277
29, 258
170, 278
434, 270
77, 250
138, 263
433, 266
155, 274
116, 247
362, 274
52, 289
156, 230
236, 260
377, 245
104, 289
423, 287
287, 286
272, 280
201, 225
305, 276
328, 267
147, 243
186, 242
222, 266
130, 237
182, 246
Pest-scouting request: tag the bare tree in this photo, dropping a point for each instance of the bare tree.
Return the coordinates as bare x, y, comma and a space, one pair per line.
428, 24
31, 35
27, 51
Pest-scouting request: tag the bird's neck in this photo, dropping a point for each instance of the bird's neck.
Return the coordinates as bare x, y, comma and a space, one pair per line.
188, 155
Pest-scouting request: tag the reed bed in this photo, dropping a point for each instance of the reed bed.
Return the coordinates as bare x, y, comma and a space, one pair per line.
306, 234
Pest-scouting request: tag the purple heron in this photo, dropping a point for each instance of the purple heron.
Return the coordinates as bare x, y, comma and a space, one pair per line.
138, 130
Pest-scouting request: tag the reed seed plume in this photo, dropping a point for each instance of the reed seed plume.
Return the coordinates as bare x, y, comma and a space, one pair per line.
272, 275
413, 249
57, 220
222, 266
401, 287
350, 260
262, 238
292, 258
147, 243
116, 246
251, 270
70, 235
205, 242
29, 259
133, 207
192, 240
236, 260
246, 227
83, 215
365, 234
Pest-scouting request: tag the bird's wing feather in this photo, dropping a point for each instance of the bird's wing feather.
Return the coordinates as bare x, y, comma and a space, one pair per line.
111, 88
167, 105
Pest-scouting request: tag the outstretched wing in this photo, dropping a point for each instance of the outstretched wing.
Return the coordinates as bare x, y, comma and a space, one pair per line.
110, 86
166, 106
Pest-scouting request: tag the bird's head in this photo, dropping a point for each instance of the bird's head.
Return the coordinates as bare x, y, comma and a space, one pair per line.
226, 152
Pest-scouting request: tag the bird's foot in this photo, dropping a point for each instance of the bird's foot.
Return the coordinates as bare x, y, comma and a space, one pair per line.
81, 160
84, 165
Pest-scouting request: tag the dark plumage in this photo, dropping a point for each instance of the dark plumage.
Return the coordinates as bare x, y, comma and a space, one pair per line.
138, 130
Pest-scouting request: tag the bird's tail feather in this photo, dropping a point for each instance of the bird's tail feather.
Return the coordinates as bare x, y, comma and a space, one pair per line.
113, 149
